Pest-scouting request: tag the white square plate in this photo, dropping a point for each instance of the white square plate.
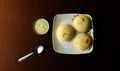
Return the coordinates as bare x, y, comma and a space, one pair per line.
66, 47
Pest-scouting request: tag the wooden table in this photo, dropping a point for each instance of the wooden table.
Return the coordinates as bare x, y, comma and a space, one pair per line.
17, 37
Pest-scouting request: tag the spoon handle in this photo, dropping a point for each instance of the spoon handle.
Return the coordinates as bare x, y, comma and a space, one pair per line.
25, 57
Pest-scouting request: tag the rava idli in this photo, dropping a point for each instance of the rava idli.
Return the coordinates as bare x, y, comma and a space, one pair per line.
83, 41
65, 32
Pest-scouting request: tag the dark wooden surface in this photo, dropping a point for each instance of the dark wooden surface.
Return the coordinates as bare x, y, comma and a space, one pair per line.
17, 37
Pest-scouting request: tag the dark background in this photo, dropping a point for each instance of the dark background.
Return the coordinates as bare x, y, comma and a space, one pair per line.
17, 37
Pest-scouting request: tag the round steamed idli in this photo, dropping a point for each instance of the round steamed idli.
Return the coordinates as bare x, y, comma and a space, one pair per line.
81, 22
65, 32
83, 41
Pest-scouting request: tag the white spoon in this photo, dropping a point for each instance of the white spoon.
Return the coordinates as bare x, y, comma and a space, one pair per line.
37, 50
